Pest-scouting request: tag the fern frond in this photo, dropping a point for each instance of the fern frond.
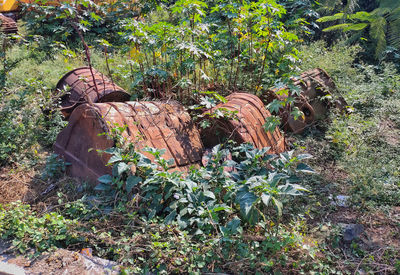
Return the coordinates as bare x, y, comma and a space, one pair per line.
393, 33
362, 16
356, 27
331, 17
394, 15
337, 27
378, 33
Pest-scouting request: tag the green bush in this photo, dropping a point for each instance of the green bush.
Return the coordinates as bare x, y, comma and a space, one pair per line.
362, 142
24, 126
29, 230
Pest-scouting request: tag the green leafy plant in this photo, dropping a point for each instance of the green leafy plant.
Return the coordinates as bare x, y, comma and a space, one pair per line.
29, 230
23, 127
381, 24
205, 198
55, 167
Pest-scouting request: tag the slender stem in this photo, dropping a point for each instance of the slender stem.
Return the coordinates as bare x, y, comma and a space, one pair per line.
265, 55
87, 53
108, 67
232, 54
238, 68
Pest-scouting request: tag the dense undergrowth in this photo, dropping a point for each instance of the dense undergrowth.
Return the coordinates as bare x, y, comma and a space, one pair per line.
255, 213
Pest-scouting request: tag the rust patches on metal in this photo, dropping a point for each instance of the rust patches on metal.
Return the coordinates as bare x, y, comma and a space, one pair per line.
8, 25
315, 85
161, 125
78, 87
246, 126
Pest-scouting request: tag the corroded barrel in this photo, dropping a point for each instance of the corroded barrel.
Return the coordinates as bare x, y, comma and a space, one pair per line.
8, 25
161, 125
245, 126
315, 86
80, 86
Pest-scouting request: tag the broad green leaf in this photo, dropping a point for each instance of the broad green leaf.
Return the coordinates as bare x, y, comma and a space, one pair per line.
246, 201
275, 105
115, 158
120, 168
278, 205
271, 123
292, 189
102, 187
304, 156
131, 182
302, 167
105, 179
265, 198
296, 113
152, 214
209, 194
231, 227
220, 98
170, 218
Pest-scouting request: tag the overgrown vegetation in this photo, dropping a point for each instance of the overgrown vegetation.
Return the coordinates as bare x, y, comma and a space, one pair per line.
256, 213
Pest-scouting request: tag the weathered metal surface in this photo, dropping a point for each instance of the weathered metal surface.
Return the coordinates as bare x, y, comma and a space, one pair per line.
79, 87
247, 127
314, 85
8, 25
161, 125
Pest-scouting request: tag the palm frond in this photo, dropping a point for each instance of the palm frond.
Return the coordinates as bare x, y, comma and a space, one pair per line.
362, 15
336, 27
378, 33
331, 17
394, 15
356, 27
393, 33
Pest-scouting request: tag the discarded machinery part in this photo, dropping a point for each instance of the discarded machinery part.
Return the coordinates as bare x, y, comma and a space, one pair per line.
8, 25
298, 125
314, 84
82, 89
247, 126
161, 125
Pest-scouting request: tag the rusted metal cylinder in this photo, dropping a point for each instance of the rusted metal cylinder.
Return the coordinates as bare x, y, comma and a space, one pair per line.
80, 86
161, 125
298, 125
8, 25
247, 125
314, 85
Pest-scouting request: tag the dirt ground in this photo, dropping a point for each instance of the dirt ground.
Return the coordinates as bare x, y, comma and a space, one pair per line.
26, 186
63, 261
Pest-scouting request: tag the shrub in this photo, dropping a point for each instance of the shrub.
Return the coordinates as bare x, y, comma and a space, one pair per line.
29, 230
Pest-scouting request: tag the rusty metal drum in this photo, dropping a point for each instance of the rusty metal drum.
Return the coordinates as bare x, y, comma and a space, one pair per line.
8, 25
247, 125
80, 86
160, 125
315, 85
